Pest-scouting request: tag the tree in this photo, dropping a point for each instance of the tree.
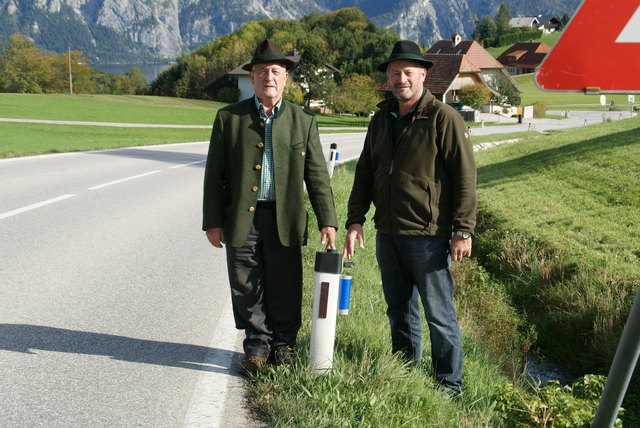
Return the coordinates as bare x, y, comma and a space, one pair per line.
502, 20
191, 83
474, 96
130, 83
508, 92
293, 93
358, 94
312, 73
25, 68
81, 75
139, 82
486, 29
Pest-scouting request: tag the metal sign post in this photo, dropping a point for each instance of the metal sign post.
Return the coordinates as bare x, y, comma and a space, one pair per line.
621, 370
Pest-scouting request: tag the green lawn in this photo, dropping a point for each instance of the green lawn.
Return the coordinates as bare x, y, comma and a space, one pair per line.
556, 100
108, 108
23, 139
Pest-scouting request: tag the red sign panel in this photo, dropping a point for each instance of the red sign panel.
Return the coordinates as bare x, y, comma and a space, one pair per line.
599, 51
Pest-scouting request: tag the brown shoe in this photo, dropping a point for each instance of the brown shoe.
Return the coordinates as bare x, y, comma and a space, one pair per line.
251, 364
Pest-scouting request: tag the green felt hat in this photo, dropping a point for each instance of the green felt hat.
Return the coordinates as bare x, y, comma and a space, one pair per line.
269, 52
406, 50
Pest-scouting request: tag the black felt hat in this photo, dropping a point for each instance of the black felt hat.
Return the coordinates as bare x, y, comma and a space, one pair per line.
407, 50
269, 52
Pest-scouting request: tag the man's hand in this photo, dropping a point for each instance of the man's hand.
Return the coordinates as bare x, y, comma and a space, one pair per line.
328, 237
215, 235
460, 248
354, 233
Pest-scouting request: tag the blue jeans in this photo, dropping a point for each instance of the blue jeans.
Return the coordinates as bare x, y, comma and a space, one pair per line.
417, 268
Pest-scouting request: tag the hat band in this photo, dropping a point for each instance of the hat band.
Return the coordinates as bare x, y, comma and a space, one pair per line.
268, 58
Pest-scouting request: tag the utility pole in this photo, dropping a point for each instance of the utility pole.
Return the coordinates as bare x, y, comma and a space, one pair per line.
70, 75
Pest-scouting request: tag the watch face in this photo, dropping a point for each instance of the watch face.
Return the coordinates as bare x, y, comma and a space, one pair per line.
463, 235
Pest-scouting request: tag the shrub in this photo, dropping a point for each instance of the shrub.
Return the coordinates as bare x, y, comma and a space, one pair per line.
474, 95
539, 109
228, 95
552, 405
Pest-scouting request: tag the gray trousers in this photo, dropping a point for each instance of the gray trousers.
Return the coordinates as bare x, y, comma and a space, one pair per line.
266, 286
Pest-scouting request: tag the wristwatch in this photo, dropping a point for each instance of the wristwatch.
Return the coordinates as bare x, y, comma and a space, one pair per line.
463, 234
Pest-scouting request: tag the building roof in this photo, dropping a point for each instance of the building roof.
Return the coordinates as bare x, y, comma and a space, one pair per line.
524, 55
446, 68
523, 21
472, 49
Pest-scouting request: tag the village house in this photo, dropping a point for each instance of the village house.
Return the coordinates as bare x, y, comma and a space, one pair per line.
459, 63
546, 24
522, 58
526, 22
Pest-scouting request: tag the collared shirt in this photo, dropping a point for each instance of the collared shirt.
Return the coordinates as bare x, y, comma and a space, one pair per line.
267, 180
401, 122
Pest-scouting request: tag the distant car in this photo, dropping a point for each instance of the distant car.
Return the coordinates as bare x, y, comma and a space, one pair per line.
461, 107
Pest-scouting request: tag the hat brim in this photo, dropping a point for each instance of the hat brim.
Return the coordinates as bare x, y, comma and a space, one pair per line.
407, 57
261, 59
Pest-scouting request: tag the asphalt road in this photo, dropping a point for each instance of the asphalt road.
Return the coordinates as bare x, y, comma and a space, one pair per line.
114, 309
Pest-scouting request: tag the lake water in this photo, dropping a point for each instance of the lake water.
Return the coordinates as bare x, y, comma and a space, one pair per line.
150, 71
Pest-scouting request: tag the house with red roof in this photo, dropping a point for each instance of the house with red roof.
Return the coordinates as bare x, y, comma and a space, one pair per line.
523, 58
459, 63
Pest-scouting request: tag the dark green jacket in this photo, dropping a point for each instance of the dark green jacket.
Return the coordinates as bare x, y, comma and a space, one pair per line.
232, 174
426, 185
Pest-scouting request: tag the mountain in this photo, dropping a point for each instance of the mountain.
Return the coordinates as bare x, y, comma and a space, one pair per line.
109, 31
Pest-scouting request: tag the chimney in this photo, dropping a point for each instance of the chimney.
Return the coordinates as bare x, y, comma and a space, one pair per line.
455, 39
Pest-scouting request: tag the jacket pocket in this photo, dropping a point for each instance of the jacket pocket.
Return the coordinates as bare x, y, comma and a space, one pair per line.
414, 201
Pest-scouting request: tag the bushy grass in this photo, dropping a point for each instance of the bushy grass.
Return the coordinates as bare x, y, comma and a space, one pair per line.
554, 269
559, 218
370, 387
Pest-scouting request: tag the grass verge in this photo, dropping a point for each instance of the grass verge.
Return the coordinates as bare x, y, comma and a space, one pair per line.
370, 387
23, 139
555, 267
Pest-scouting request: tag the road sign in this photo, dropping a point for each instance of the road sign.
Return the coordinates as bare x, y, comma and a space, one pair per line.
603, 100
599, 50
631, 99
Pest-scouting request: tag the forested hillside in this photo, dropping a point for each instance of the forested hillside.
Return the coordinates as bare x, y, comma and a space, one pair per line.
345, 39
135, 31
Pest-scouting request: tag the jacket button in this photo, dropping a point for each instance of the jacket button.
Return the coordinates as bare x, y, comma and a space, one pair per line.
261, 124
258, 167
254, 189
302, 153
252, 209
260, 145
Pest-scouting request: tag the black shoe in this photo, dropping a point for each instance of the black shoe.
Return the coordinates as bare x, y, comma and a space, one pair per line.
451, 394
282, 354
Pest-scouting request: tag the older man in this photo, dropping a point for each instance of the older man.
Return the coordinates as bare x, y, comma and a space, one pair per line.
262, 150
417, 167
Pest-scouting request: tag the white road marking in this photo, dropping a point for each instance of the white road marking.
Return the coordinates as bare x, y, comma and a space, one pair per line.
631, 31
122, 180
207, 403
186, 164
34, 206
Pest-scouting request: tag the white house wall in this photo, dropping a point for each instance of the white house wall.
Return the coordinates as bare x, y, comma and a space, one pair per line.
245, 87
